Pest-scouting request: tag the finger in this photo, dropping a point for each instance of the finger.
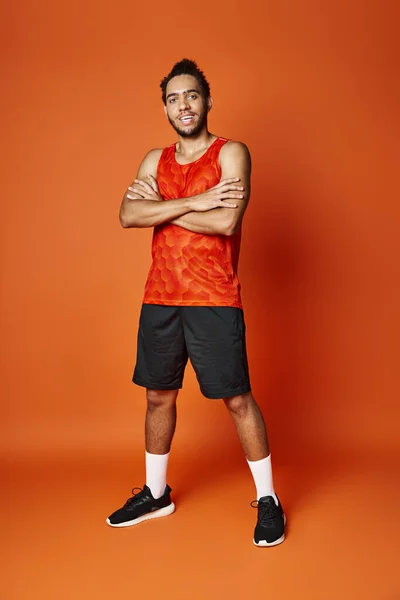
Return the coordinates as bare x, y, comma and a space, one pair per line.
230, 195
227, 181
139, 182
223, 204
145, 185
134, 196
230, 187
152, 181
136, 186
230, 180
137, 190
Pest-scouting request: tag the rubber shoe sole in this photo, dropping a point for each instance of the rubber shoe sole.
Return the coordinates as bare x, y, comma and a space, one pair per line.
264, 543
161, 512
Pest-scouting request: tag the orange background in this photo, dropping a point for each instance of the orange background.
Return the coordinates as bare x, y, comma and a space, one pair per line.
312, 88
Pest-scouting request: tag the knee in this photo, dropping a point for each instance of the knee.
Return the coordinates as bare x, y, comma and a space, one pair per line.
160, 398
238, 406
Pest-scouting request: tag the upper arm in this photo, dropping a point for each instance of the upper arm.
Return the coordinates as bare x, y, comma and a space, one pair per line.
148, 166
235, 161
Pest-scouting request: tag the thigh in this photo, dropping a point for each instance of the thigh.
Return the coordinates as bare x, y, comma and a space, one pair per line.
161, 349
216, 342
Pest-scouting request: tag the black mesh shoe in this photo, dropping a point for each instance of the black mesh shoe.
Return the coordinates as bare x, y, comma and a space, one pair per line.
270, 528
142, 506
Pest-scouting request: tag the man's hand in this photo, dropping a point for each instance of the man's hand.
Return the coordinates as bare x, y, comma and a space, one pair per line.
216, 196
147, 189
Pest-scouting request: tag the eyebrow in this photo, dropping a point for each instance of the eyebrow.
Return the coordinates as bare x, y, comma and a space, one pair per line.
184, 92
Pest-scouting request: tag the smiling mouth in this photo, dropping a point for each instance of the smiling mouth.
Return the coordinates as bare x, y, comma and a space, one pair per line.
186, 119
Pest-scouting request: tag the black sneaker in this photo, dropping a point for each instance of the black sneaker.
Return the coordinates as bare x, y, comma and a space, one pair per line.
270, 528
142, 506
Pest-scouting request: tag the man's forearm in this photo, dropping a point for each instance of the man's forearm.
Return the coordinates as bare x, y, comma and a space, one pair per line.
149, 213
211, 222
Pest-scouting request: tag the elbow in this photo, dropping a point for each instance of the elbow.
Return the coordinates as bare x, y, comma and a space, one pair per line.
230, 229
230, 224
125, 221
228, 232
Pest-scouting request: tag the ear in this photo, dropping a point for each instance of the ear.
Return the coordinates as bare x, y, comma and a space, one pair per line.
165, 110
209, 104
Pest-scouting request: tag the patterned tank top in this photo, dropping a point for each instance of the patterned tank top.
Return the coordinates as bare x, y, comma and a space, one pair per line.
192, 269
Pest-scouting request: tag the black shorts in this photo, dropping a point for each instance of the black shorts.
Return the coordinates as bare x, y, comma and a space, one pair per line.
213, 337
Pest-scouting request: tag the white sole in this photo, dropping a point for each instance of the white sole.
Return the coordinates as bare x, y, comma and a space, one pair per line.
264, 543
162, 512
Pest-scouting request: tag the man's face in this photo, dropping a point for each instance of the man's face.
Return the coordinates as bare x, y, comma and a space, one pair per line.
186, 108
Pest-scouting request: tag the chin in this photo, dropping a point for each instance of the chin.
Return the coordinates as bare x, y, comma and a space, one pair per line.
188, 133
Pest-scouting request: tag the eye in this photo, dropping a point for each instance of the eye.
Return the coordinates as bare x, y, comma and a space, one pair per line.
172, 100
193, 96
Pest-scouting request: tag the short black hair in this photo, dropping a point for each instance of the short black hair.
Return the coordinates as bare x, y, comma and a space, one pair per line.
186, 67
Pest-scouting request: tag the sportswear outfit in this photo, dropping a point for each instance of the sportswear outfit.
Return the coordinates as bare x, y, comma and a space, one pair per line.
192, 309
192, 306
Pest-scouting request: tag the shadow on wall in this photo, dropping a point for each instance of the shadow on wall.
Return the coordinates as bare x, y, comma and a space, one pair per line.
286, 242
283, 271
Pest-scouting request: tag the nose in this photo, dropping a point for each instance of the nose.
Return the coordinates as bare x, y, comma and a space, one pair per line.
183, 102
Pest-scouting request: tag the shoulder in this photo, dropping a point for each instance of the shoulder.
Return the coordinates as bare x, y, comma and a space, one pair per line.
150, 162
235, 150
233, 153
153, 156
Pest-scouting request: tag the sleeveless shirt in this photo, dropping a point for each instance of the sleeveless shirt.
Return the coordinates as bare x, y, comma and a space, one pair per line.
192, 269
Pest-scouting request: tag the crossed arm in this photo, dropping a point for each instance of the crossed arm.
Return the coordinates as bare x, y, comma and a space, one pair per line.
219, 210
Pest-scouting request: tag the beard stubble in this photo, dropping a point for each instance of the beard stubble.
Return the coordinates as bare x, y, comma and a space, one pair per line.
192, 133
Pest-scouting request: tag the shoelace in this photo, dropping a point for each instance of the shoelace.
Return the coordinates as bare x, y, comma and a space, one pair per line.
135, 496
267, 514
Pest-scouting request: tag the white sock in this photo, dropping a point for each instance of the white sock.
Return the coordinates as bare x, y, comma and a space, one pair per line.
156, 473
262, 475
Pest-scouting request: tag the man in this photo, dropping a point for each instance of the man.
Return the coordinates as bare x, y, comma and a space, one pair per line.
194, 193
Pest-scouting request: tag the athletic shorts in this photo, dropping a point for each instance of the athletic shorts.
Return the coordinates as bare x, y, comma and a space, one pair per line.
213, 337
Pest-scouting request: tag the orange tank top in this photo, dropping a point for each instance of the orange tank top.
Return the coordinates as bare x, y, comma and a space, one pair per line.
192, 269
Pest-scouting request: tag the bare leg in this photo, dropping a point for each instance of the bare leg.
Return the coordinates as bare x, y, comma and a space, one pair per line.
160, 420
270, 527
249, 425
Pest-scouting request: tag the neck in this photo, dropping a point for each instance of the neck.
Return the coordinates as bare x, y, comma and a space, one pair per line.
192, 145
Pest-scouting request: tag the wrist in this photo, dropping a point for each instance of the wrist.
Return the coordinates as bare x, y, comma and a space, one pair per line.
189, 203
